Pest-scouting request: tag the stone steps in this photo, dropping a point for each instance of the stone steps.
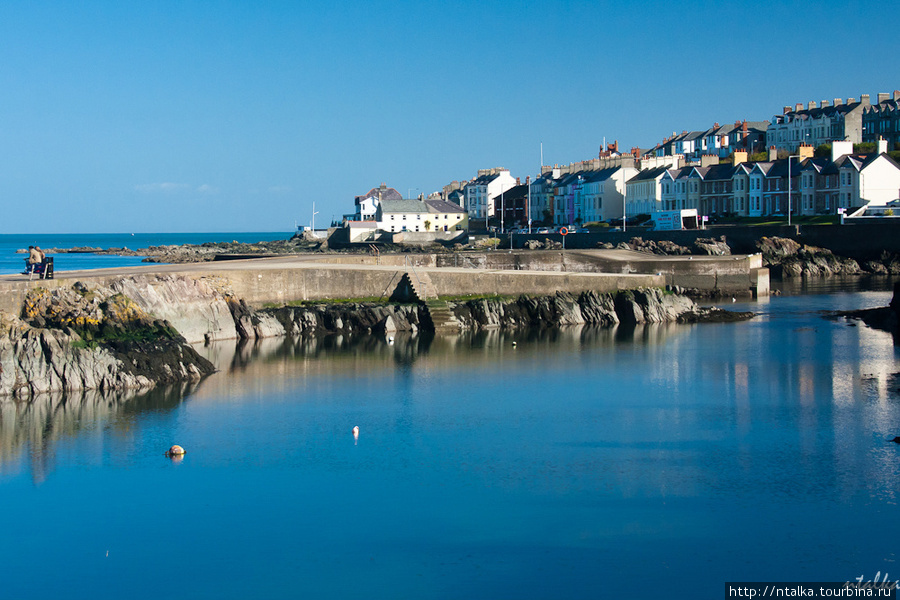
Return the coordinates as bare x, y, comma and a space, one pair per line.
421, 285
441, 316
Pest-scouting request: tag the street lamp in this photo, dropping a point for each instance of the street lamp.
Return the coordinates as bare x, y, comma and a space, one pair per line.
797, 156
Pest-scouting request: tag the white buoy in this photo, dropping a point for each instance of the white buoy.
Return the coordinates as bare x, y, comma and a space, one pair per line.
356, 432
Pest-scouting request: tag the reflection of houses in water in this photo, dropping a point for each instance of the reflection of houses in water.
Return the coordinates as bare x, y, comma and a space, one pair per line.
32, 429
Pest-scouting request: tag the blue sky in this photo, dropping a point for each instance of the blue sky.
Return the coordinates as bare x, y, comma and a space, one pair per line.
237, 116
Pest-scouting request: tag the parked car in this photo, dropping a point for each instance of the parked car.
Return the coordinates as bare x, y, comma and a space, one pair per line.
543, 230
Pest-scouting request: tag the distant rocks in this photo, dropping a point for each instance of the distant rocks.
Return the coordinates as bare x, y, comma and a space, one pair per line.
701, 247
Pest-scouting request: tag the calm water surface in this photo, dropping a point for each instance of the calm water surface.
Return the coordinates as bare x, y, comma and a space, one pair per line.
659, 462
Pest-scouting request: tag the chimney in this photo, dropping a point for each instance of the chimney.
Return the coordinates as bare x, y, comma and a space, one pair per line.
883, 97
528, 180
851, 100
798, 107
773, 153
838, 101
805, 151
716, 125
824, 103
864, 99
839, 148
787, 109
882, 145
707, 160
811, 105
740, 157
896, 95
518, 182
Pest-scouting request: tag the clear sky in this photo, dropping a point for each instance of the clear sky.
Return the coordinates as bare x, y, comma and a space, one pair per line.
237, 116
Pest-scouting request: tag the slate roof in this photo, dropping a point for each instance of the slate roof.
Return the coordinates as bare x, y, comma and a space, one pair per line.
441, 206
817, 113
719, 172
601, 175
389, 194
403, 206
648, 174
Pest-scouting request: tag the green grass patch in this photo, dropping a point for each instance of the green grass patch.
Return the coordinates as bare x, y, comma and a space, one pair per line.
468, 297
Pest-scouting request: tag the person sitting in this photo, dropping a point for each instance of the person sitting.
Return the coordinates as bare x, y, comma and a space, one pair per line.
35, 257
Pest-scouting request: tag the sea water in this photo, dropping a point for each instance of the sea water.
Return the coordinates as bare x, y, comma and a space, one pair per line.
13, 261
650, 462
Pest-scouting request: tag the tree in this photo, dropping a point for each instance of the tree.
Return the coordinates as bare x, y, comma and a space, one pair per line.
427, 225
823, 151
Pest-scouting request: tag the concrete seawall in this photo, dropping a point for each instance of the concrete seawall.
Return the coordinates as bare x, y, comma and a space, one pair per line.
283, 280
280, 281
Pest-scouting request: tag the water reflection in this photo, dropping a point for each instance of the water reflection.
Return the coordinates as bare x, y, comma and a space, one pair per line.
270, 359
30, 430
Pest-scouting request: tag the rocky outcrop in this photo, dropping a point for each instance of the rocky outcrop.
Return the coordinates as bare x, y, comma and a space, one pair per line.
701, 247
786, 258
885, 318
630, 307
90, 338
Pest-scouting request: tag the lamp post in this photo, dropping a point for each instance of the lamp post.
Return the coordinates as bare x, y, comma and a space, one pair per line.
797, 156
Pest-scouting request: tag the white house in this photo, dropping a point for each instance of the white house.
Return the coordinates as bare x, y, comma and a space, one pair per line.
601, 195
420, 216
367, 204
644, 191
481, 191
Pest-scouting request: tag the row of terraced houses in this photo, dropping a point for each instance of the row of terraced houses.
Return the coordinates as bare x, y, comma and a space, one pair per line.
683, 171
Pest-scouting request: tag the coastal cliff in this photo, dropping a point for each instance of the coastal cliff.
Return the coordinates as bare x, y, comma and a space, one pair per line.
90, 338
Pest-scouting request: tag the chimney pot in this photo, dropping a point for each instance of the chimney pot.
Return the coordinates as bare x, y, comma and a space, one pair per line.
882, 97
838, 101
811, 105
787, 109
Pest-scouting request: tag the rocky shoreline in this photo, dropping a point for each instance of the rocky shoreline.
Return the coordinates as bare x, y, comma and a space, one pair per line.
885, 318
92, 337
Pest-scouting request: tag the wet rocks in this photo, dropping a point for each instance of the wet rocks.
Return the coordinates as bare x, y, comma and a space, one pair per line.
786, 258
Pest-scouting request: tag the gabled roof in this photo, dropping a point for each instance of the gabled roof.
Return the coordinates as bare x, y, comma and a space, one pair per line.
719, 172
387, 193
681, 173
441, 206
745, 167
648, 174
762, 167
